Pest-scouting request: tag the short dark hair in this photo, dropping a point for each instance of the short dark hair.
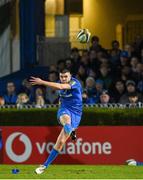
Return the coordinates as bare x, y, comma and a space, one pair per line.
115, 41
94, 38
65, 71
53, 72
10, 82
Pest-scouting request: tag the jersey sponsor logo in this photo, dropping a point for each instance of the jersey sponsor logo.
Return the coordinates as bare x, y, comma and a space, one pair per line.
65, 93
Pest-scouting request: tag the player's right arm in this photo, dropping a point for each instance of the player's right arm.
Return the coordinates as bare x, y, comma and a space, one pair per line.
57, 86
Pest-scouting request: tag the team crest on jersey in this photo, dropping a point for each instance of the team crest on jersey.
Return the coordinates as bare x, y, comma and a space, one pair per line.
72, 83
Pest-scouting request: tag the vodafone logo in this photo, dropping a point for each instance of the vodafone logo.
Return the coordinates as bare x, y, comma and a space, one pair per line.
27, 143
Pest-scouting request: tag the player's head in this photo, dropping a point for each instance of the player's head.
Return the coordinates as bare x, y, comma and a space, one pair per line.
65, 76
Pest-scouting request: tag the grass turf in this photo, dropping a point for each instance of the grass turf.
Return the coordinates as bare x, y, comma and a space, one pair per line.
73, 172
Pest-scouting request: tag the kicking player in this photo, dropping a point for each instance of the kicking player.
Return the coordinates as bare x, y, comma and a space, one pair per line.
69, 113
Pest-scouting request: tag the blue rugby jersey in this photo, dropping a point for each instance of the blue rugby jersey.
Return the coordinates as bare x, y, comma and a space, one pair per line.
72, 98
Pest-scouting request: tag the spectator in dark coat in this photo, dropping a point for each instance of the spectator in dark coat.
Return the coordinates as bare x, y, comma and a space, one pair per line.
131, 88
10, 97
118, 90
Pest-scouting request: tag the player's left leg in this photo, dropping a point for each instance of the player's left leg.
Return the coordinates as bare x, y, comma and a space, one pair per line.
62, 138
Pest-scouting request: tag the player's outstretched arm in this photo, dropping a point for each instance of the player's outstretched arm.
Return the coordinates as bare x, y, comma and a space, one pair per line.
57, 86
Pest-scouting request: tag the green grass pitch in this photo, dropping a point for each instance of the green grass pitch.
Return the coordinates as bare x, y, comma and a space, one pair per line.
73, 172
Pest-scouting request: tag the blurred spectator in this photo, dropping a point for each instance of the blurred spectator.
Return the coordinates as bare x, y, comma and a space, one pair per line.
53, 76
85, 59
22, 99
92, 73
126, 73
141, 55
70, 66
118, 90
140, 86
2, 101
52, 68
123, 61
100, 54
81, 74
40, 102
133, 98
114, 59
39, 97
104, 98
95, 44
138, 44
115, 53
131, 88
140, 68
93, 61
89, 94
99, 85
138, 75
116, 47
104, 61
134, 61
130, 50
60, 65
28, 89
123, 77
75, 55
39, 92
124, 58
11, 96
105, 76
51, 94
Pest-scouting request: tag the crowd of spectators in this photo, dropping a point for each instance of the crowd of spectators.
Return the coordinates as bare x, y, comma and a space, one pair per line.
107, 76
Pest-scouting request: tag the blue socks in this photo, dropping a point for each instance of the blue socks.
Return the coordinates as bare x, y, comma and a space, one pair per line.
68, 128
54, 153
0, 142
139, 163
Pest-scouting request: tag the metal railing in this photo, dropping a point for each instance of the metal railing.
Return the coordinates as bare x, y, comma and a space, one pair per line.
108, 105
